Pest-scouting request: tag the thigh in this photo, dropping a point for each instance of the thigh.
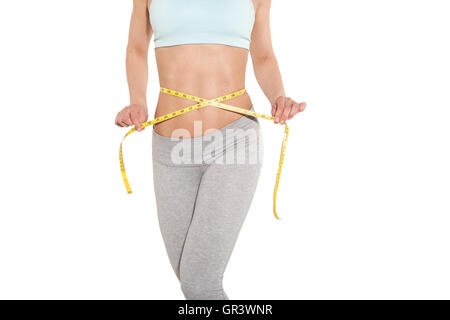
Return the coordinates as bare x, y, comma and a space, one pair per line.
175, 193
224, 198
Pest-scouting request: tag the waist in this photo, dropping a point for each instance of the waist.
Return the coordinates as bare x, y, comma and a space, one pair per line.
199, 122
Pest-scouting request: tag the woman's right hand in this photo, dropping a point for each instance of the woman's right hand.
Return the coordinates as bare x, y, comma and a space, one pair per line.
134, 114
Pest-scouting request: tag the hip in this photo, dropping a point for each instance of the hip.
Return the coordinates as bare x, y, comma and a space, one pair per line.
238, 142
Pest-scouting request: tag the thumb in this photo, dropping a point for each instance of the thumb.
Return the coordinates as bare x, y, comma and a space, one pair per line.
137, 123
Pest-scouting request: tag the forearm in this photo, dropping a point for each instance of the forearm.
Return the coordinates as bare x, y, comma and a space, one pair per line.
268, 76
137, 76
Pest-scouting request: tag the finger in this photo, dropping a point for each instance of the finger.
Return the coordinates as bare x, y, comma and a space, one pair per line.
280, 108
117, 120
274, 110
287, 110
294, 111
302, 106
126, 122
125, 119
298, 107
137, 119
143, 117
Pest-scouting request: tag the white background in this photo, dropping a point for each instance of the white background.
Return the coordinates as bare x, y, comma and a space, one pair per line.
364, 195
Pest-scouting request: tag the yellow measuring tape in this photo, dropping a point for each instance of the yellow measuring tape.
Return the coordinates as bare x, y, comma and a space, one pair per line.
201, 104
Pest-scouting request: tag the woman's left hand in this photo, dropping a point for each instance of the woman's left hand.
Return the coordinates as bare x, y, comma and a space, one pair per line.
285, 108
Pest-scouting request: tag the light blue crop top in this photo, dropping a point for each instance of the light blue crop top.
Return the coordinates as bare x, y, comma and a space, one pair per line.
176, 22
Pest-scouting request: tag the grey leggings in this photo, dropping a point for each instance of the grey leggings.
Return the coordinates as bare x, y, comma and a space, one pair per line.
204, 187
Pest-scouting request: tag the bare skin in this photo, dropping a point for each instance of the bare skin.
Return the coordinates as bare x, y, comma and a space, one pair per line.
204, 70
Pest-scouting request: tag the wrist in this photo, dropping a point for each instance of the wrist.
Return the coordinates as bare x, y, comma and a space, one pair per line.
139, 103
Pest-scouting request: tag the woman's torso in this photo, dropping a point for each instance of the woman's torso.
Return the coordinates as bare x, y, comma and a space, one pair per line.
204, 70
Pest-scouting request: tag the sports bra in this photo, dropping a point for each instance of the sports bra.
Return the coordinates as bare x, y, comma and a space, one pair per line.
176, 22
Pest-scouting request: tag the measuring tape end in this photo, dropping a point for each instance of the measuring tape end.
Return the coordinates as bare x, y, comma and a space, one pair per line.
275, 214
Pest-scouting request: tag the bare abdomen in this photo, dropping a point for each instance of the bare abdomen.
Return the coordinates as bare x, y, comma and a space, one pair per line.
207, 71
